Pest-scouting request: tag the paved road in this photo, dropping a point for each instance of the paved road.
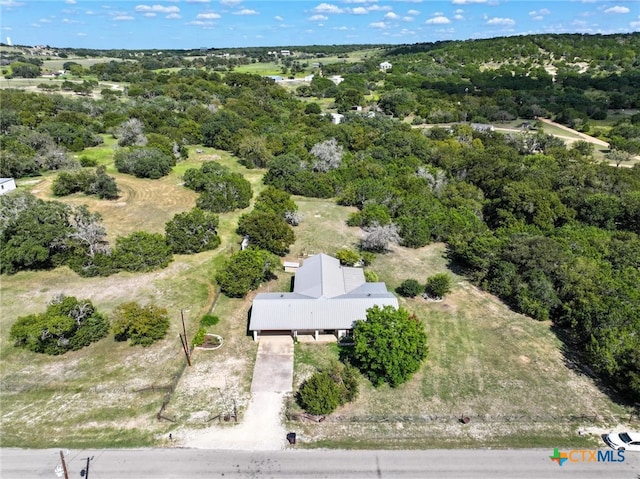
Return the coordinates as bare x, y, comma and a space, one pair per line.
310, 464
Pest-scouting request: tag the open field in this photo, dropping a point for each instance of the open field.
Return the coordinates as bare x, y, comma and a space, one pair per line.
90, 396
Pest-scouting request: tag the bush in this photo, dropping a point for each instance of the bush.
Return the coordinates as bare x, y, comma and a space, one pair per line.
245, 270
209, 320
68, 324
438, 285
410, 288
198, 339
324, 391
347, 257
143, 325
86, 161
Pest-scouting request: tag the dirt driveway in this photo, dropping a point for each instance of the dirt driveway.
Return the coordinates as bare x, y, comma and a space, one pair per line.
261, 425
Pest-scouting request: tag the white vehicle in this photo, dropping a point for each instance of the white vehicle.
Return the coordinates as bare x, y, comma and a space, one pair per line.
625, 441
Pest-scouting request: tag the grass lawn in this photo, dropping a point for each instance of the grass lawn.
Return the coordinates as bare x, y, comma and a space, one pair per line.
503, 370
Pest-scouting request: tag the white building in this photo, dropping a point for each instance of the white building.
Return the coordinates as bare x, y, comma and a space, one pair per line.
6, 185
327, 298
384, 66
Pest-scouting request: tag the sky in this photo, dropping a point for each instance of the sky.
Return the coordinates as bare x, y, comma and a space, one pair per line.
187, 24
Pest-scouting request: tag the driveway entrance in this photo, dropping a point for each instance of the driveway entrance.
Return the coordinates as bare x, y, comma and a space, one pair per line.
273, 371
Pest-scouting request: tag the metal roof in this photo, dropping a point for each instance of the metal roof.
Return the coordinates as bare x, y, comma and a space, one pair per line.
326, 296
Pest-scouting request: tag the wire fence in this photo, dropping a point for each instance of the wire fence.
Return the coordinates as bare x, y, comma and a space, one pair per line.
633, 417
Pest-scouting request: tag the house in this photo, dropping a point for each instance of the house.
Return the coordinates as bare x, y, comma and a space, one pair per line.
327, 298
6, 185
336, 118
384, 66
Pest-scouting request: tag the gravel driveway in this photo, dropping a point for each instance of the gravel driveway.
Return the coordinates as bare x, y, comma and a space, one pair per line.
261, 426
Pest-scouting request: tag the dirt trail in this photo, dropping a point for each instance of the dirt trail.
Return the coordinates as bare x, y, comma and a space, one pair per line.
584, 136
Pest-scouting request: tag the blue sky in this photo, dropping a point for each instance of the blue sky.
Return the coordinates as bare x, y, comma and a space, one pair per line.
184, 24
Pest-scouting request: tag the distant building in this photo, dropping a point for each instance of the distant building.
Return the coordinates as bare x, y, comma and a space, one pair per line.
337, 79
285, 53
482, 127
6, 185
384, 66
336, 118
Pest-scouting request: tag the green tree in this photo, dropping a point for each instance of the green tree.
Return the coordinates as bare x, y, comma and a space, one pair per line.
267, 230
67, 324
245, 270
438, 285
141, 251
192, 232
143, 325
390, 345
143, 162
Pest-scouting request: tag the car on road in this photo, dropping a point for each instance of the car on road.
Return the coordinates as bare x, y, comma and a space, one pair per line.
625, 441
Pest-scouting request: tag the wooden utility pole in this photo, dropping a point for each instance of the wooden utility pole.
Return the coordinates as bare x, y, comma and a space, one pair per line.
64, 466
185, 340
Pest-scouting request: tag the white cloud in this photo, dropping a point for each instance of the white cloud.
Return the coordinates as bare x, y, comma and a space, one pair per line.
81, 34
458, 17
246, 11
413, 12
378, 25
318, 18
70, 2
501, 21
174, 16
157, 9
123, 18
378, 8
10, 3
208, 16
408, 19
617, 9
200, 23
278, 18
341, 28
391, 16
459, 11
327, 8
440, 20
359, 11
150, 14
202, 1
467, 2
44, 20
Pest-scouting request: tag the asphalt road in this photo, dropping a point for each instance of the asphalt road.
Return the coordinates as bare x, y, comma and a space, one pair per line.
289, 464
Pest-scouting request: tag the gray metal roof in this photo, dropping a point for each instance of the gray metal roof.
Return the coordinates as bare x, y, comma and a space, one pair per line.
326, 296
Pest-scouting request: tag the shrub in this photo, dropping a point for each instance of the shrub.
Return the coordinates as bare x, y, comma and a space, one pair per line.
324, 391
192, 232
410, 288
209, 320
438, 285
143, 325
347, 257
198, 339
